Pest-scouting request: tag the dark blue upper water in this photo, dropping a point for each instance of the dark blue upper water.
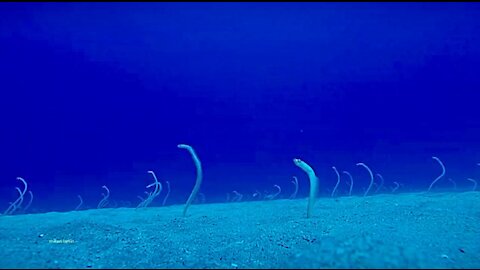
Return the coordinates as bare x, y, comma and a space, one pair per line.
96, 94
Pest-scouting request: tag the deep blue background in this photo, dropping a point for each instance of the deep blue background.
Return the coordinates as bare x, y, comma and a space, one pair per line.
99, 93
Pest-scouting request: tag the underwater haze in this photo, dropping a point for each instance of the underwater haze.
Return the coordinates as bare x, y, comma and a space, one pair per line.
111, 113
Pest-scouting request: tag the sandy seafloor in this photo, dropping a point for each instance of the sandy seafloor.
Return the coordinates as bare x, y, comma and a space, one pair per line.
417, 230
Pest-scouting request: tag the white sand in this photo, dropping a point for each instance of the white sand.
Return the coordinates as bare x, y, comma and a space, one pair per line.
436, 230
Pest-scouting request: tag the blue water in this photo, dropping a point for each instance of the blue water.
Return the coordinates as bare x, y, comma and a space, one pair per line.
95, 94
